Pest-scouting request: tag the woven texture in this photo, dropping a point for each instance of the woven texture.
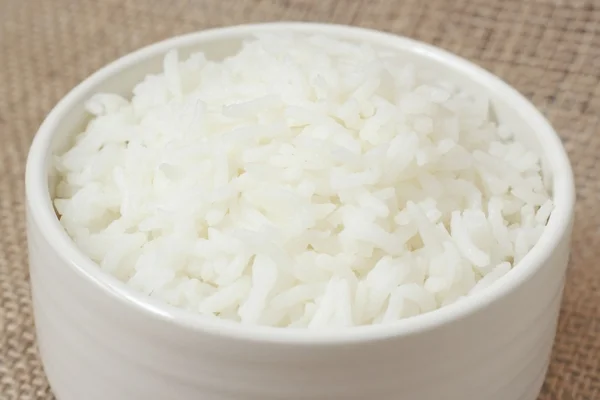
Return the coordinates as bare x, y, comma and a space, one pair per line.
548, 49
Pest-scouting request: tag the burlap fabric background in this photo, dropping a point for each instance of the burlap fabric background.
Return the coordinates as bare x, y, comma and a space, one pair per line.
548, 49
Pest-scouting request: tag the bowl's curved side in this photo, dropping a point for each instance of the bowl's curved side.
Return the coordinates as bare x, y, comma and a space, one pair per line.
94, 348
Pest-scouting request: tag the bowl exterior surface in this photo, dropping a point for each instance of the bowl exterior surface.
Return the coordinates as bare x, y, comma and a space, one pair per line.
93, 348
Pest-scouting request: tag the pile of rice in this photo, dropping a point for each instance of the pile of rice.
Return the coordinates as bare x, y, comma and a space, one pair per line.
303, 182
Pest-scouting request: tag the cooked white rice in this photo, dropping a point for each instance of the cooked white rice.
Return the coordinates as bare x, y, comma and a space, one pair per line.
304, 182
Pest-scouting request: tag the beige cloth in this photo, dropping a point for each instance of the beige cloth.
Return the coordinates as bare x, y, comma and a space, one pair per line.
548, 49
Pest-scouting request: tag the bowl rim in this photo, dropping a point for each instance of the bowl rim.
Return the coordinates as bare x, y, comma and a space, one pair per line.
41, 212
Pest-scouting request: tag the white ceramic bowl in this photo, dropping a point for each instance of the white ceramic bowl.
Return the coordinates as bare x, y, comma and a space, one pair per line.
100, 340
